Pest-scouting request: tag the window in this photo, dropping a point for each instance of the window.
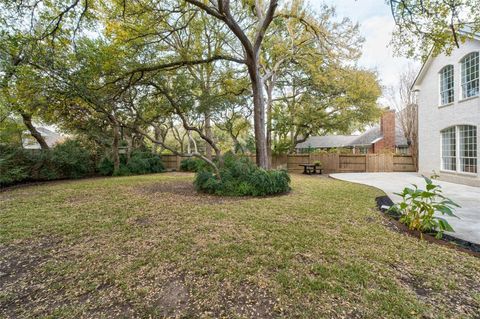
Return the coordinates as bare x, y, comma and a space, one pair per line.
459, 149
468, 148
402, 150
446, 85
362, 150
470, 75
449, 149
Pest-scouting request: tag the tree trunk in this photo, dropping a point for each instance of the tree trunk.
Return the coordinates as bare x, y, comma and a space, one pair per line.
208, 133
258, 112
27, 120
115, 144
237, 146
269, 119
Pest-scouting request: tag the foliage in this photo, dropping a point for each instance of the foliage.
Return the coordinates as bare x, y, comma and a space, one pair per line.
424, 27
239, 176
66, 160
145, 163
10, 130
418, 208
191, 164
105, 167
14, 165
140, 162
72, 160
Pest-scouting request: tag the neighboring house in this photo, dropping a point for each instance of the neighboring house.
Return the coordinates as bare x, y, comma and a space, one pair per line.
448, 101
387, 136
51, 138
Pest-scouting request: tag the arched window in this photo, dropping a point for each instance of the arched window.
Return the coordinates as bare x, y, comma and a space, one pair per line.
459, 149
446, 85
470, 65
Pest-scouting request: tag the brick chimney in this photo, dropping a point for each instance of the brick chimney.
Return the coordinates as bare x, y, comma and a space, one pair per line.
387, 128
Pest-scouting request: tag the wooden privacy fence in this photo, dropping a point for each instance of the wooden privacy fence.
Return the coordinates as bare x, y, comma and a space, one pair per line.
331, 163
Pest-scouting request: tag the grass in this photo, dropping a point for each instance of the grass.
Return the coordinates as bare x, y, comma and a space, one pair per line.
150, 246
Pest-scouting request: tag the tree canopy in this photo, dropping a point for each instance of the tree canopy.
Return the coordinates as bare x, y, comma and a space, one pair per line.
189, 77
424, 27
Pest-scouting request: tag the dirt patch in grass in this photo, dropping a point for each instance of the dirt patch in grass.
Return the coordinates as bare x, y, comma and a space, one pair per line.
174, 299
20, 259
252, 302
458, 300
186, 190
18, 262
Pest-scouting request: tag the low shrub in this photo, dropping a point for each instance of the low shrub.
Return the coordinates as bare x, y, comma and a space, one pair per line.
66, 160
123, 171
14, 165
105, 167
139, 163
145, 163
191, 165
71, 160
241, 177
419, 209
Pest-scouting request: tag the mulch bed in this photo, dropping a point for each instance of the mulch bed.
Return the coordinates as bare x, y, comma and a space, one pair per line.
447, 240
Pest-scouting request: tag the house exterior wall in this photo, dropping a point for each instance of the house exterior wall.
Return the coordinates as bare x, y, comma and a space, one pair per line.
433, 118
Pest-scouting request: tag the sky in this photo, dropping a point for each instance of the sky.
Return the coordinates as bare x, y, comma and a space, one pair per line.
376, 26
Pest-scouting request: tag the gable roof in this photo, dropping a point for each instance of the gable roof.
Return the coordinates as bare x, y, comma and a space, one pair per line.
51, 138
369, 137
428, 61
328, 141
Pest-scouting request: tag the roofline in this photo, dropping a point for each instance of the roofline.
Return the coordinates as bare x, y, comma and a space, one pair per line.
427, 62
421, 73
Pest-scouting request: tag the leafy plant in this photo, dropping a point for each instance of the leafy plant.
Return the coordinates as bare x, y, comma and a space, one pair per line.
317, 163
239, 176
71, 160
145, 163
105, 167
434, 175
66, 160
140, 162
191, 164
419, 209
14, 165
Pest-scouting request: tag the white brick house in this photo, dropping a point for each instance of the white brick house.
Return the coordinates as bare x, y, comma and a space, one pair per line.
448, 100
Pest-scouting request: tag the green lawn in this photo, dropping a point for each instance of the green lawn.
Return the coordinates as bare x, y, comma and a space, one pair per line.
150, 246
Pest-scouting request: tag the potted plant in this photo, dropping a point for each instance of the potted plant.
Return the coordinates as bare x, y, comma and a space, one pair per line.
317, 163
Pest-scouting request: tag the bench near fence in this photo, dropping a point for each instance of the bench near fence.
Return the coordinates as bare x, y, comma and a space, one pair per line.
331, 163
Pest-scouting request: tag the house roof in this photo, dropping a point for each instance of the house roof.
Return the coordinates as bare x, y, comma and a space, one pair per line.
369, 137
51, 138
428, 61
328, 141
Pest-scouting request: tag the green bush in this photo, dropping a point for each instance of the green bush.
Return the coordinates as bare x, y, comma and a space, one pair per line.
191, 165
14, 165
419, 209
139, 163
67, 160
71, 160
241, 177
105, 167
145, 163
123, 171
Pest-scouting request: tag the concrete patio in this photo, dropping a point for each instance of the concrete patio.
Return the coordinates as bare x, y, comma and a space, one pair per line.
468, 197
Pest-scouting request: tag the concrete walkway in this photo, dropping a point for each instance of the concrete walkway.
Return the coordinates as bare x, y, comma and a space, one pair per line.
468, 197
